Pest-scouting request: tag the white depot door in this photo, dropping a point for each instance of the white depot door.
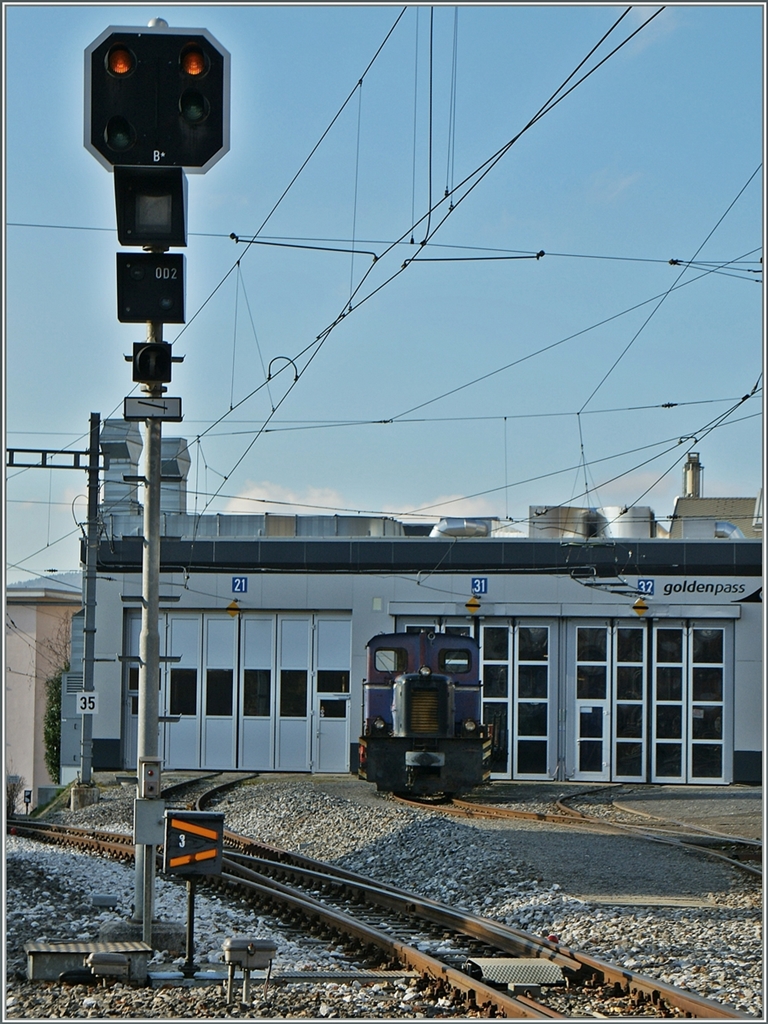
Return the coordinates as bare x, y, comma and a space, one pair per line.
180, 695
292, 722
331, 695
219, 653
257, 696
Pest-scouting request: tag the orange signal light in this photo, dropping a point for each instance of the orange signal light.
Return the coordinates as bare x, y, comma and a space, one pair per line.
120, 61
193, 62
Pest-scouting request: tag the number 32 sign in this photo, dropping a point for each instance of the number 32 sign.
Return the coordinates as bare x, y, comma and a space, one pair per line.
88, 703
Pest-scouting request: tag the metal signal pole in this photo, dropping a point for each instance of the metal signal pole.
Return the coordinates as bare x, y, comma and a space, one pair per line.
149, 641
89, 594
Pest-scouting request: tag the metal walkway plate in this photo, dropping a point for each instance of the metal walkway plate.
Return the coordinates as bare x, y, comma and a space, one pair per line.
519, 971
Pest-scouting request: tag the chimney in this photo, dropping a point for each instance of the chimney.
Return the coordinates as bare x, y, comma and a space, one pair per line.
692, 471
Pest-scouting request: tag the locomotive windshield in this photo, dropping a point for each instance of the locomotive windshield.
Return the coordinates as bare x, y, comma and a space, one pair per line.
455, 662
391, 659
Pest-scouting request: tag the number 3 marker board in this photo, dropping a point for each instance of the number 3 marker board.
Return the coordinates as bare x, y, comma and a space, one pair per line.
194, 843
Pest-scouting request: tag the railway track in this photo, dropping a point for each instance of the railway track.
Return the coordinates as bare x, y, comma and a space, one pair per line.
738, 851
441, 943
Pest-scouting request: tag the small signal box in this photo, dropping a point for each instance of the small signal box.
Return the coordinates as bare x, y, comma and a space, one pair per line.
194, 842
149, 778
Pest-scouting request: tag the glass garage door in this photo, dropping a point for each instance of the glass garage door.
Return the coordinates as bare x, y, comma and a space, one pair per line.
519, 702
689, 703
608, 687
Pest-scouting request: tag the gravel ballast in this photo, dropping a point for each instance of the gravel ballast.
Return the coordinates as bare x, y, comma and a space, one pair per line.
684, 919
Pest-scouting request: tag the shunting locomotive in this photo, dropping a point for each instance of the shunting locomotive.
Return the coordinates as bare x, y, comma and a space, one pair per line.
422, 731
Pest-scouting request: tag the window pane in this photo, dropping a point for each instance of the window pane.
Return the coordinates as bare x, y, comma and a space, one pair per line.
629, 721
669, 722
531, 719
495, 643
669, 645
133, 677
333, 708
629, 759
532, 757
495, 680
329, 681
257, 684
532, 681
293, 693
591, 644
456, 662
668, 759
391, 659
669, 684
591, 756
708, 684
495, 716
590, 682
707, 723
533, 643
591, 722
220, 641
629, 682
707, 645
183, 691
707, 761
218, 691
629, 645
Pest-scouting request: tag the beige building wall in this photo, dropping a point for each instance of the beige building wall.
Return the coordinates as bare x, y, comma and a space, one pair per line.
37, 631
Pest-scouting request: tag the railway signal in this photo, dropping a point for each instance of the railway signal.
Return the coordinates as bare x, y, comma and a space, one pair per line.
152, 362
194, 843
157, 97
156, 104
150, 286
193, 846
151, 206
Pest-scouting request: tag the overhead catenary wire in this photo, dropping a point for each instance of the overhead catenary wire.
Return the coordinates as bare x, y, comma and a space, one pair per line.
670, 442
311, 350
546, 348
668, 292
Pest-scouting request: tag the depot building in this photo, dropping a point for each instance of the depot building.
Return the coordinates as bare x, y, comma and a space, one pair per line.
611, 648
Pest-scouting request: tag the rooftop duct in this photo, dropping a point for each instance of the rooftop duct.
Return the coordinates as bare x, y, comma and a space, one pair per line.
121, 443
462, 528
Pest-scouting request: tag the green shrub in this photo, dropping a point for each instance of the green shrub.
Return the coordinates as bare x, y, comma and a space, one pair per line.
52, 723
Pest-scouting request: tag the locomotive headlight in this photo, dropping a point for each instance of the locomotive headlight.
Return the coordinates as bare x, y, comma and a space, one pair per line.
425, 670
469, 725
379, 724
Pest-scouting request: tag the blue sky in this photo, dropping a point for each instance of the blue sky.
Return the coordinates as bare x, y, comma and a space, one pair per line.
456, 386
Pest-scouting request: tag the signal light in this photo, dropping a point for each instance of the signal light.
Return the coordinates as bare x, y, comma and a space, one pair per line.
120, 61
152, 362
193, 106
119, 135
193, 61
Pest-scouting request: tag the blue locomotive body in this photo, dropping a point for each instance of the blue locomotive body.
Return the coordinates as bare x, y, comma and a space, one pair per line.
423, 731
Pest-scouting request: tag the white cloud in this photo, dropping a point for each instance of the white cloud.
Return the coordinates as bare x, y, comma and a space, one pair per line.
607, 186
265, 496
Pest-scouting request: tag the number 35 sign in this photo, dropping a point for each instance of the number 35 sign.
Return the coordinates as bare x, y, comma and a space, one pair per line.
88, 703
